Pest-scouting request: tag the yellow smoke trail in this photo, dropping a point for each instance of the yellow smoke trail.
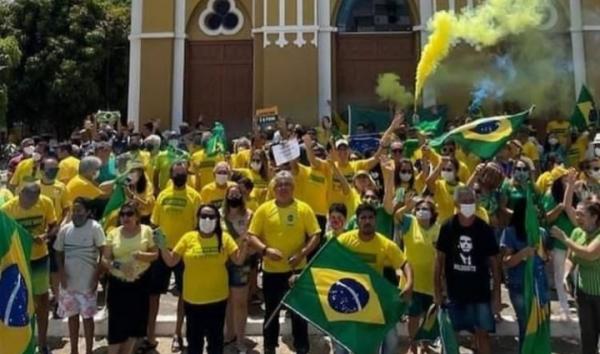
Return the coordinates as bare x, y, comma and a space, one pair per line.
389, 89
482, 26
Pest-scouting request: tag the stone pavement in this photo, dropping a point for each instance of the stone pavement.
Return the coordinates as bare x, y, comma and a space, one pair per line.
319, 345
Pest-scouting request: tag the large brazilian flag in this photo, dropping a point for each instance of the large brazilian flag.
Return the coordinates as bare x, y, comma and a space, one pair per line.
16, 298
345, 298
484, 137
583, 109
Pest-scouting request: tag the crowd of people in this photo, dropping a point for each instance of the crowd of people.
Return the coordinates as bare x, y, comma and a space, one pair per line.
444, 226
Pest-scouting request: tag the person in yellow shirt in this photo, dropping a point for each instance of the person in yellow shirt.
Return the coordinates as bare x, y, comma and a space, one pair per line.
202, 165
449, 150
577, 147
284, 231
175, 214
35, 213
140, 190
214, 192
163, 162
5, 195
419, 232
443, 188
379, 252
55, 191
241, 157
69, 164
136, 152
84, 185
26, 169
258, 173
559, 127
205, 252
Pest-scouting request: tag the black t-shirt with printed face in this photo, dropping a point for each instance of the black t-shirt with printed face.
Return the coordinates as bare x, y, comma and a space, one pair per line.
467, 251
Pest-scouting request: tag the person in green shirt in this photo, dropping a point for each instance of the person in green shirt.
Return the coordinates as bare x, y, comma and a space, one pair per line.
554, 208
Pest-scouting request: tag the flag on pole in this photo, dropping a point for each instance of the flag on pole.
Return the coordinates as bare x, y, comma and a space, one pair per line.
537, 308
583, 109
484, 137
16, 297
347, 299
217, 143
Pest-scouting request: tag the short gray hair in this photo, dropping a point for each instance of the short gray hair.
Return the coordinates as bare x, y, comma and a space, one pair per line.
463, 190
283, 175
89, 164
153, 140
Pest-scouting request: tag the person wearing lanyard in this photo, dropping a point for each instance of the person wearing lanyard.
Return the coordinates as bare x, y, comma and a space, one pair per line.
205, 252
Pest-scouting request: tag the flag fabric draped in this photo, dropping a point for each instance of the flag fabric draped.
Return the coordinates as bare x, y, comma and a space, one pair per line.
484, 137
447, 334
217, 143
117, 199
430, 120
16, 297
345, 298
429, 330
537, 309
583, 109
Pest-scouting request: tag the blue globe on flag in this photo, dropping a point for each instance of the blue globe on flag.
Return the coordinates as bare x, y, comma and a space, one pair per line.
347, 296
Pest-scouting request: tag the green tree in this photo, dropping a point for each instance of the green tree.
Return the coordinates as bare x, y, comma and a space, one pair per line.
75, 60
10, 55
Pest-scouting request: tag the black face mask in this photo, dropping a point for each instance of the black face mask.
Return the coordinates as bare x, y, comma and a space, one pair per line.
234, 202
134, 146
179, 180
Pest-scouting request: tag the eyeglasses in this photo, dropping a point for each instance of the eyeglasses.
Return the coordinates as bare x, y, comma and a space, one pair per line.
208, 216
127, 213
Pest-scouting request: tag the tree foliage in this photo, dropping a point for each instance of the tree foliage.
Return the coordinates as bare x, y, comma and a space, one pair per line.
10, 55
75, 60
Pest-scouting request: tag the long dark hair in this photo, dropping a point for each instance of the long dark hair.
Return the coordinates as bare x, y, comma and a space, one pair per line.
133, 206
558, 192
142, 182
218, 230
397, 180
517, 220
226, 207
264, 163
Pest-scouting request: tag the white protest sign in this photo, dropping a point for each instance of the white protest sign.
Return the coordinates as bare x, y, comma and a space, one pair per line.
286, 151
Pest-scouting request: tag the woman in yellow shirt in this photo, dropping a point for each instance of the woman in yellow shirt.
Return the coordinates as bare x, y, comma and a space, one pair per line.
127, 255
420, 232
139, 190
443, 189
205, 253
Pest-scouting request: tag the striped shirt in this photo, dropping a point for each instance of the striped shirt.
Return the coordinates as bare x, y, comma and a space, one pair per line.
588, 279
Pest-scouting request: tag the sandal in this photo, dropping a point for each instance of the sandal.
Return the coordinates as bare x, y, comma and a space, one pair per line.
176, 344
145, 347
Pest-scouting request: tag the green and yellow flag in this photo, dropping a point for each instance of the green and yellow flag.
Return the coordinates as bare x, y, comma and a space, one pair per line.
583, 109
484, 137
345, 298
447, 334
217, 143
537, 307
16, 297
429, 330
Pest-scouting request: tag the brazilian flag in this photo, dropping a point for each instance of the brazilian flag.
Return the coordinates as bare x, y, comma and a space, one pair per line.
537, 308
116, 200
16, 298
583, 110
347, 299
484, 137
429, 330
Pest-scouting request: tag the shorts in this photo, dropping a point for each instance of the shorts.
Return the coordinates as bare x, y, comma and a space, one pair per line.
238, 274
160, 276
73, 303
471, 317
40, 275
419, 304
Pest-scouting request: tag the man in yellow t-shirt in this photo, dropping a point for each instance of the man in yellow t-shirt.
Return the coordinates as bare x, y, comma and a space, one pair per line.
202, 165
69, 164
27, 168
137, 154
174, 213
285, 231
83, 185
214, 192
35, 213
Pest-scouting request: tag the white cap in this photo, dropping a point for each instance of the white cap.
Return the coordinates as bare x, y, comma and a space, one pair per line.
340, 142
596, 139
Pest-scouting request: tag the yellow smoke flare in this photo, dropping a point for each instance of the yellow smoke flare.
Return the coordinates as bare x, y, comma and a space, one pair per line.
436, 49
390, 90
482, 26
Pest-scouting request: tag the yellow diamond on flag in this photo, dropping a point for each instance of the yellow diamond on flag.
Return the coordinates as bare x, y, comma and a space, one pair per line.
347, 296
488, 130
585, 108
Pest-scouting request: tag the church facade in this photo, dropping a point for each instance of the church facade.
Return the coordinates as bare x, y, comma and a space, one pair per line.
223, 59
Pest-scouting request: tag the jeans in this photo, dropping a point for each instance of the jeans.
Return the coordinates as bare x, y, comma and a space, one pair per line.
518, 303
589, 321
275, 285
206, 320
558, 266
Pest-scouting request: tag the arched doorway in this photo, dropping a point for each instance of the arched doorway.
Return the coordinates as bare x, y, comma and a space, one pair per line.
374, 36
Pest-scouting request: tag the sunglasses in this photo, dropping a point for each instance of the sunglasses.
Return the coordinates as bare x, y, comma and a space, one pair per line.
208, 216
397, 151
127, 214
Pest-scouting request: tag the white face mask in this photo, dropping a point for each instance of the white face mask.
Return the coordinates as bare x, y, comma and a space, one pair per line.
597, 151
207, 226
405, 177
595, 174
36, 156
255, 166
423, 214
28, 150
221, 179
552, 141
467, 210
96, 175
448, 176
